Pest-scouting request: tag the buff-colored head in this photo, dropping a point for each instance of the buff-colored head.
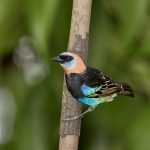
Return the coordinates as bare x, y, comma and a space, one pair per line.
70, 62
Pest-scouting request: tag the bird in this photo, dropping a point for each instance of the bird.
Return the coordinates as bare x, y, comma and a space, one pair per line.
88, 85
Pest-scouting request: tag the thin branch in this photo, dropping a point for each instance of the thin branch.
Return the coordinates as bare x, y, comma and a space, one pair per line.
78, 43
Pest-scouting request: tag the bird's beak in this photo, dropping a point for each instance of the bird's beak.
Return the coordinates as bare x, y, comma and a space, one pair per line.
56, 58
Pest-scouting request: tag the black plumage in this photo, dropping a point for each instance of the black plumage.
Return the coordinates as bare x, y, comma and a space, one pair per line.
93, 78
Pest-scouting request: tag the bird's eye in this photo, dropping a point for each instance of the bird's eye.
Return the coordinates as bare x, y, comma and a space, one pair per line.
69, 58
66, 58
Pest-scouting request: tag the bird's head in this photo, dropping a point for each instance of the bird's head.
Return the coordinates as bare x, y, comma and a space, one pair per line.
70, 62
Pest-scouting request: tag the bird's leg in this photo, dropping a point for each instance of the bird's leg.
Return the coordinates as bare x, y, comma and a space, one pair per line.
90, 108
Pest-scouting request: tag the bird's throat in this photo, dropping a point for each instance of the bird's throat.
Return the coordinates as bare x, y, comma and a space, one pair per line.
78, 67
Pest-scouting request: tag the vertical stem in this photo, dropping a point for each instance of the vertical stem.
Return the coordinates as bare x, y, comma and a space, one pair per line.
1, 71
78, 43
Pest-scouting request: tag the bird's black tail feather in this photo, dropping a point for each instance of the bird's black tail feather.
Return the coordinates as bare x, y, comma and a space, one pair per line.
125, 89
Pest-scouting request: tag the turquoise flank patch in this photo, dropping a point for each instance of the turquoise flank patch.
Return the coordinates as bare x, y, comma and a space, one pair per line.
91, 101
95, 101
89, 91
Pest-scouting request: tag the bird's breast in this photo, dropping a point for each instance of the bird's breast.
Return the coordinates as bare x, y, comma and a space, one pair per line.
74, 82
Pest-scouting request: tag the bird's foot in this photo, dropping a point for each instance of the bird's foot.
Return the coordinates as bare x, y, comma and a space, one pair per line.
73, 118
91, 108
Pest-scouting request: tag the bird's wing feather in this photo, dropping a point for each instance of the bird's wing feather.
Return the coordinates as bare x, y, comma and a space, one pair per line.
98, 84
90, 91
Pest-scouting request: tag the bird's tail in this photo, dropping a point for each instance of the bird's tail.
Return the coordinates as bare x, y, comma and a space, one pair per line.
125, 89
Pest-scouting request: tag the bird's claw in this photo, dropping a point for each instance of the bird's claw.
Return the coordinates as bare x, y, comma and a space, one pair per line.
72, 119
91, 108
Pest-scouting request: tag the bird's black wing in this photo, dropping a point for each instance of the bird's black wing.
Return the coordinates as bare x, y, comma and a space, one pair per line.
95, 78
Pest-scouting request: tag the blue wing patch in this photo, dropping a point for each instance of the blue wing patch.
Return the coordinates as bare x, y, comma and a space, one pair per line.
89, 96
90, 91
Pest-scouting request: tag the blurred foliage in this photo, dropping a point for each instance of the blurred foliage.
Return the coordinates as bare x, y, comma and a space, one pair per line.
33, 31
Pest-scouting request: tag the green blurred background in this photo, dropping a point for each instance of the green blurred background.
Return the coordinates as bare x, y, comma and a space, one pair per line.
33, 31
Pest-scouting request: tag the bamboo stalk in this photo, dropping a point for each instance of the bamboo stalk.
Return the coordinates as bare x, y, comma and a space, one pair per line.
78, 43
